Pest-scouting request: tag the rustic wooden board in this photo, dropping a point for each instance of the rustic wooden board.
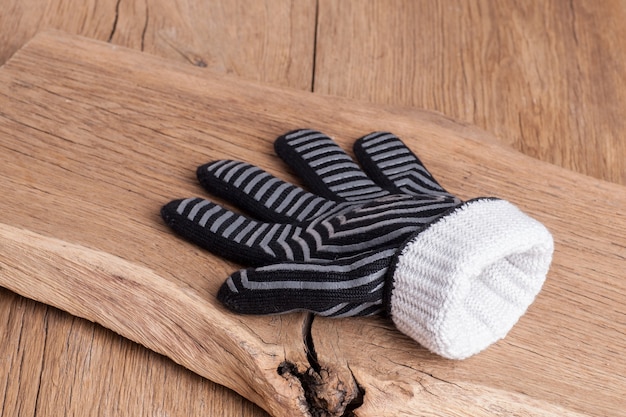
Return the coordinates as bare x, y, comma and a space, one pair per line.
94, 138
266, 40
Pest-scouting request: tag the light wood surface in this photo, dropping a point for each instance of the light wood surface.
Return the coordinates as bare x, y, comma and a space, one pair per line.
461, 58
88, 168
546, 77
266, 40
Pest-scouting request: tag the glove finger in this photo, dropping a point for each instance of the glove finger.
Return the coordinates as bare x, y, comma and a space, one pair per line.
326, 168
260, 193
231, 235
348, 287
389, 162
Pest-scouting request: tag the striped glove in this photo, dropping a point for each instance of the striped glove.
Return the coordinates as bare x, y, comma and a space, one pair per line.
383, 237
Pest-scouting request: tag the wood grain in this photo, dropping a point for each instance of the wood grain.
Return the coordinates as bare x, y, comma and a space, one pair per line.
84, 369
266, 40
21, 20
269, 40
88, 167
546, 77
549, 33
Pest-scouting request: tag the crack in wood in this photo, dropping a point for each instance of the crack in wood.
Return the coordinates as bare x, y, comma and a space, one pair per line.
117, 15
326, 394
145, 29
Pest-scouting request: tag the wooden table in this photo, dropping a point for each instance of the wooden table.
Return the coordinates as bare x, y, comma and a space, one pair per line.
547, 79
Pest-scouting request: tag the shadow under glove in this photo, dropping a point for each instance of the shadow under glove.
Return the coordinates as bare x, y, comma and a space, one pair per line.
454, 276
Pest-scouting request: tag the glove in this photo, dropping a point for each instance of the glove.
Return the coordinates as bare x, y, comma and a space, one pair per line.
454, 276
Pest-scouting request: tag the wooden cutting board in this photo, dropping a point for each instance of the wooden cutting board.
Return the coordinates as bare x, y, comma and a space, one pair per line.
94, 138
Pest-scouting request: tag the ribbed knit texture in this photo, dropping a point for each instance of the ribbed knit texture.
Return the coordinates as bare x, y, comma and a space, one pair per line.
461, 284
367, 236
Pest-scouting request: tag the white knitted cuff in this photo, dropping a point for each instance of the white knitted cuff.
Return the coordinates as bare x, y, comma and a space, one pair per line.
461, 284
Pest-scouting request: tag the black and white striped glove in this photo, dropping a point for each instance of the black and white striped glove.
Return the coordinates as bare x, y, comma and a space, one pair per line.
385, 236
